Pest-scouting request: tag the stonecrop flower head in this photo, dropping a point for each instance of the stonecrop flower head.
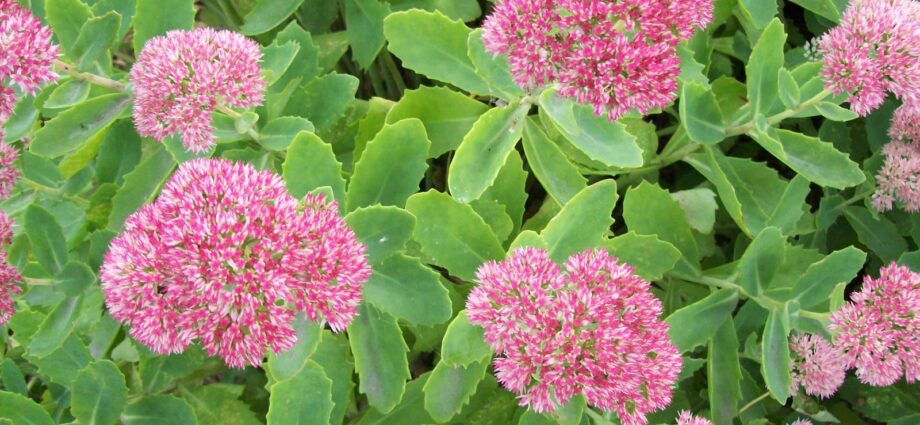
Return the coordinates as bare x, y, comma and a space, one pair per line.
9, 276
8, 172
26, 54
801, 421
879, 329
180, 79
226, 256
874, 50
899, 178
686, 418
817, 366
592, 329
616, 55
905, 124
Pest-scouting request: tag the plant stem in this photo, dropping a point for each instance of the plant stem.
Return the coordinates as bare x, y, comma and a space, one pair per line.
236, 116
38, 187
753, 402
760, 299
37, 282
88, 77
776, 119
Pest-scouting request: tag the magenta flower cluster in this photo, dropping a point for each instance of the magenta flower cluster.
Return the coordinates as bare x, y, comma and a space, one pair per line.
874, 50
226, 256
817, 365
878, 331
26, 55
686, 418
8, 274
616, 55
181, 78
592, 329
899, 178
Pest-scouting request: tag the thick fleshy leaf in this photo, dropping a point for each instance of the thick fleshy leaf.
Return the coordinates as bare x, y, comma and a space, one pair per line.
99, 394
483, 151
700, 114
383, 230
364, 23
696, 323
310, 164
766, 59
761, 261
650, 210
493, 69
96, 36
776, 364
446, 114
279, 133
47, 238
463, 343
268, 14
75, 126
159, 410
220, 404
66, 18
380, 357
301, 399
406, 289
391, 167
878, 233
816, 160
452, 234
155, 17
819, 281
650, 256
556, 173
724, 374
139, 186
19, 409
449, 388
290, 363
583, 222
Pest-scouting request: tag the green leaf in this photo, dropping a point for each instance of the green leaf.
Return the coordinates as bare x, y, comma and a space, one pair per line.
724, 374
493, 69
789, 92
139, 186
583, 222
464, 343
835, 113
449, 388
380, 357
99, 394
305, 65
68, 94
219, 404
56, 327
309, 164
21, 410
383, 230
159, 410
12, 378
291, 363
816, 160
73, 127
277, 58
268, 14
79, 159
62, 365
700, 114
765, 62
391, 167
96, 36
824, 8
699, 206
334, 357
650, 210
877, 232
74, 279
364, 23
48, 244
483, 152
599, 138
495, 216
323, 101
509, 191
789, 208
696, 323
279, 133
759, 11
155, 17
66, 18
119, 153
446, 114
435, 46
302, 399
404, 288
761, 261
650, 256
160, 372
410, 411
818, 282
776, 365
452, 234
556, 173
372, 122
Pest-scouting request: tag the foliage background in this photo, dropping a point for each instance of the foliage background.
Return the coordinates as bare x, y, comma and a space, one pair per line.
745, 202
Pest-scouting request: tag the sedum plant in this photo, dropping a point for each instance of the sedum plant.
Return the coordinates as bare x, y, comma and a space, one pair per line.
459, 212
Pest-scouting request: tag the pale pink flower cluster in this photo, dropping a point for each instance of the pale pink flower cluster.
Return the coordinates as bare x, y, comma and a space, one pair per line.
26, 55
180, 78
686, 418
801, 421
879, 329
8, 172
899, 178
616, 55
874, 50
592, 329
817, 366
8, 274
905, 124
226, 256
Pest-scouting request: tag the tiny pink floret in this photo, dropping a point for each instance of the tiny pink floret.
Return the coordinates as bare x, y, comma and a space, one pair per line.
817, 366
180, 78
26, 55
226, 256
615, 55
591, 329
878, 331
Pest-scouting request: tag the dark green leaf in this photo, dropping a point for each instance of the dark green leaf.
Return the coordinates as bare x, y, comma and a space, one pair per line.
289, 364
140, 185
219, 404
449, 388
724, 374
876, 232
650, 210
21, 410
66, 17
96, 36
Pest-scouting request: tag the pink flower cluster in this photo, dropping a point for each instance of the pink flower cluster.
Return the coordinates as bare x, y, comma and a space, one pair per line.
686, 418
180, 79
8, 274
26, 55
817, 365
592, 329
879, 329
874, 50
899, 178
8, 172
616, 55
226, 256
